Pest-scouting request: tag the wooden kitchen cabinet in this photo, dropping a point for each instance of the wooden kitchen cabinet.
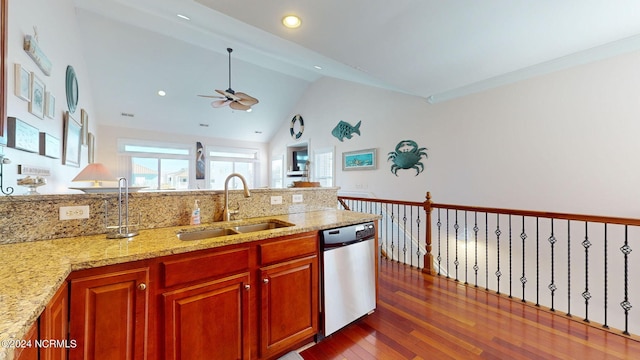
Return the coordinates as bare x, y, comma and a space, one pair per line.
208, 321
205, 312
288, 294
27, 349
109, 314
54, 327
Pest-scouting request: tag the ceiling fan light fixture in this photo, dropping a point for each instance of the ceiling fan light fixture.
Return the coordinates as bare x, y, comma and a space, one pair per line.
291, 21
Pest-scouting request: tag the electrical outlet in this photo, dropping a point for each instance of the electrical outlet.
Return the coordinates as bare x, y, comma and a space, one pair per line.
296, 198
276, 200
74, 212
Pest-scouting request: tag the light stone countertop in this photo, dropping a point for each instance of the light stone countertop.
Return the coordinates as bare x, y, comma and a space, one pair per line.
32, 272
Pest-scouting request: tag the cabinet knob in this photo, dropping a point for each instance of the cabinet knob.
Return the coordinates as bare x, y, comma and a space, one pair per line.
265, 280
247, 287
142, 286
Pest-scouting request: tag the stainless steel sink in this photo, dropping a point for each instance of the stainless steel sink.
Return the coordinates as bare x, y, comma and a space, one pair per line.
239, 229
267, 225
205, 234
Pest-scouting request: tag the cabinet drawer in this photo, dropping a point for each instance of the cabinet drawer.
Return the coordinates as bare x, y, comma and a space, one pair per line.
293, 247
194, 268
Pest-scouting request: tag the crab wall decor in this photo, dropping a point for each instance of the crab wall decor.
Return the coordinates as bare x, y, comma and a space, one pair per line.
407, 156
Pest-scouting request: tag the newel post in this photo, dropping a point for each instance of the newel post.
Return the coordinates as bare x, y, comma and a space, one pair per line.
428, 256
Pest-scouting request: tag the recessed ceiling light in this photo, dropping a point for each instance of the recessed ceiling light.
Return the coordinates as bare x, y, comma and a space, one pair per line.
249, 110
184, 17
162, 93
291, 21
317, 67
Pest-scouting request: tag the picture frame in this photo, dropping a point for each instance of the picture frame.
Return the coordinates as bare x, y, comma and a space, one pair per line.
22, 81
36, 105
49, 146
91, 144
72, 131
49, 105
22, 136
359, 160
84, 121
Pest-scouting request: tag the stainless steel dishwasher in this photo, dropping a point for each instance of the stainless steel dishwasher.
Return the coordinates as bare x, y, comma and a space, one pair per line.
348, 274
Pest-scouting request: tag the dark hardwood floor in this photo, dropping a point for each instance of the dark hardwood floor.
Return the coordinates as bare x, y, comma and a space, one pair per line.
425, 317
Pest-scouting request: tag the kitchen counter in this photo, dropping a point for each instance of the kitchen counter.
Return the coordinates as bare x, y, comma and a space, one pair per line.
32, 272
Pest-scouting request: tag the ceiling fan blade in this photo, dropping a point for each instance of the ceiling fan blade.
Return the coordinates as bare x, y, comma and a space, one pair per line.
213, 96
220, 103
246, 99
238, 106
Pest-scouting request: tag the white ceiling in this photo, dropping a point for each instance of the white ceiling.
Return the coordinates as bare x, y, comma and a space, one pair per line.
435, 49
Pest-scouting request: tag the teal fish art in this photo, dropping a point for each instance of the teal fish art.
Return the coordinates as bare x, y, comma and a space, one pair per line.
345, 130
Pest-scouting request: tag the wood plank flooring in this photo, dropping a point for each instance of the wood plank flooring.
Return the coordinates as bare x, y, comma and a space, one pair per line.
425, 317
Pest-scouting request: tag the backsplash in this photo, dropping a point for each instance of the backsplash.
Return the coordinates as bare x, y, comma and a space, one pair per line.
36, 217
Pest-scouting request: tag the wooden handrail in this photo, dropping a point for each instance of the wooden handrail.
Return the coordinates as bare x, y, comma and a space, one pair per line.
383, 201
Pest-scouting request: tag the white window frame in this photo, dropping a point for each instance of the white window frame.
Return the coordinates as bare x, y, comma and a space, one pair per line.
253, 157
315, 164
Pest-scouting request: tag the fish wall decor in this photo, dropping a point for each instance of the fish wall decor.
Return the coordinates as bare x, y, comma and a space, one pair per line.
345, 130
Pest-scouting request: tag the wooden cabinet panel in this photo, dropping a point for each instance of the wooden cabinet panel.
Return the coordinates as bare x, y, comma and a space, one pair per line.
204, 266
208, 321
289, 304
109, 315
289, 248
27, 349
54, 326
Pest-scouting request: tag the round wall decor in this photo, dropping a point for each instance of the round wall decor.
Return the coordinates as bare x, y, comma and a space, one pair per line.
294, 134
72, 89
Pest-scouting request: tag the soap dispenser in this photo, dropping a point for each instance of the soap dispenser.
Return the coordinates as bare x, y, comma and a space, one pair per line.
195, 215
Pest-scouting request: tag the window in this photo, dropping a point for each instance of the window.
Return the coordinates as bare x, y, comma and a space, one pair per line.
157, 166
223, 162
323, 167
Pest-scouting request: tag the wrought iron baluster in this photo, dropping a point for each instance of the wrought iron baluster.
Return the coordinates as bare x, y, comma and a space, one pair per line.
439, 258
606, 278
498, 232
392, 221
586, 294
626, 305
523, 278
418, 221
447, 248
411, 235
456, 227
466, 250
510, 260
404, 234
552, 285
569, 268
475, 240
486, 250
537, 261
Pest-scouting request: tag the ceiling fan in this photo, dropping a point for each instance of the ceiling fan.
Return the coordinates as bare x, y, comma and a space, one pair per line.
235, 100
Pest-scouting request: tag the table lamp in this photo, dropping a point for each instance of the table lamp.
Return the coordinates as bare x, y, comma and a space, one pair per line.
95, 172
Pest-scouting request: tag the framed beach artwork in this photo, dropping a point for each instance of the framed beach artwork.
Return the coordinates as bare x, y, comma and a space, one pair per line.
22, 82
359, 160
36, 106
84, 120
72, 132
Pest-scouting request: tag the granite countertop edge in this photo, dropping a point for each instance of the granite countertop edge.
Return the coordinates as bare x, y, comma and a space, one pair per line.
34, 271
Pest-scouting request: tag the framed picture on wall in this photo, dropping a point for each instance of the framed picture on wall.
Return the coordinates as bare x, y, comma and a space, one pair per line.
22, 82
36, 106
84, 120
72, 132
91, 140
359, 160
49, 105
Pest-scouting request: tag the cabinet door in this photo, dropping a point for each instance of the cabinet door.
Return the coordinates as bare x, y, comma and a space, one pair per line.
109, 315
208, 321
54, 326
289, 304
27, 349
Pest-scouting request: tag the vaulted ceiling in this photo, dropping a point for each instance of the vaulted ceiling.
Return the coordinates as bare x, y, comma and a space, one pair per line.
432, 49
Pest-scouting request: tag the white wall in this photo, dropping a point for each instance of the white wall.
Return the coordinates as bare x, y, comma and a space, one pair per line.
58, 38
566, 141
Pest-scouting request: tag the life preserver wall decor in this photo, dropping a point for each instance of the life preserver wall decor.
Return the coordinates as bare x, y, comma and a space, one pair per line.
294, 134
407, 156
